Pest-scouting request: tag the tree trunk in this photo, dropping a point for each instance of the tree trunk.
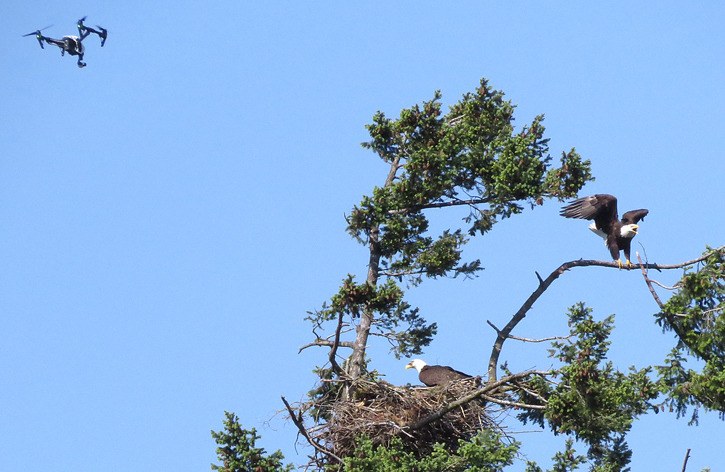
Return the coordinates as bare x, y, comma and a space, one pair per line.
356, 365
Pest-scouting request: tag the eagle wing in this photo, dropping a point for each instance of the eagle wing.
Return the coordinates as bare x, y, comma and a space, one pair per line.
432, 375
601, 208
457, 374
633, 216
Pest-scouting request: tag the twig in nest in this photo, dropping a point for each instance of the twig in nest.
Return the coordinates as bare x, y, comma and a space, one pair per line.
297, 420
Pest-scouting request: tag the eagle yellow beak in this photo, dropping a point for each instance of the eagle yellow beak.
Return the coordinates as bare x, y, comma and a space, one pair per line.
635, 228
409, 365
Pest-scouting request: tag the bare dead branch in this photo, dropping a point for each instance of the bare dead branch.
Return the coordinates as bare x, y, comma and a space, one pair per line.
493, 326
324, 343
687, 457
402, 273
297, 420
661, 285
540, 340
502, 402
648, 281
505, 333
470, 202
529, 392
335, 344
455, 120
529, 340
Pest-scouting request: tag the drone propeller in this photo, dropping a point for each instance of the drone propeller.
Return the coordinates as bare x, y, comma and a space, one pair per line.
103, 34
37, 32
38, 35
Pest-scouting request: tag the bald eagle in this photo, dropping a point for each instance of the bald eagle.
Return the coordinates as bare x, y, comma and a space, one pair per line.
432, 375
602, 208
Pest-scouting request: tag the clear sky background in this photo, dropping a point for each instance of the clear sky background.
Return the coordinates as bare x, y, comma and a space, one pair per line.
169, 213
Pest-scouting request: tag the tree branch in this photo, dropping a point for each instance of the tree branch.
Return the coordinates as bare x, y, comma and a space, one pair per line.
402, 273
325, 343
336, 343
529, 340
297, 420
529, 391
648, 281
505, 333
502, 402
425, 206
687, 457
661, 285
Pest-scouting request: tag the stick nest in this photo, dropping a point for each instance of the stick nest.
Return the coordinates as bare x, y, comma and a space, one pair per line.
381, 411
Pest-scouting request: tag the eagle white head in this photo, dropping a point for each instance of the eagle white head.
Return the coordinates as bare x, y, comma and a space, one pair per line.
416, 364
628, 231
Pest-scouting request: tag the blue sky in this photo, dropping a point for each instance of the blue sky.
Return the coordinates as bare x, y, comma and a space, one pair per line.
170, 212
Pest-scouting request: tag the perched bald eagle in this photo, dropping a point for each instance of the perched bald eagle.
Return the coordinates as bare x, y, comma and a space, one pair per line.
432, 375
602, 208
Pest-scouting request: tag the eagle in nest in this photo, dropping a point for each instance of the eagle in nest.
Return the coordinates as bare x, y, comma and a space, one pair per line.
433, 375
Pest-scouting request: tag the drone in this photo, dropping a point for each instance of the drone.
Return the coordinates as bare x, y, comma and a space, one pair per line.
73, 45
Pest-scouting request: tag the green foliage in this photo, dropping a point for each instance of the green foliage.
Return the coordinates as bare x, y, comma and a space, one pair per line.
237, 451
695, 314
593, 401
564, 461
486, 452
323, 394
470, 157
474, 158
396, 319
